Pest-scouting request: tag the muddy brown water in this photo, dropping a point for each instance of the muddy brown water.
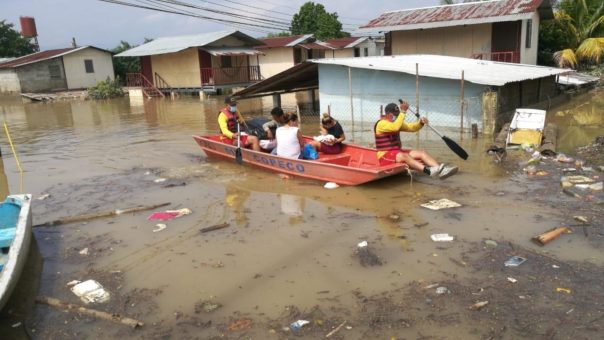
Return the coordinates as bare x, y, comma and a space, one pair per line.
290, 243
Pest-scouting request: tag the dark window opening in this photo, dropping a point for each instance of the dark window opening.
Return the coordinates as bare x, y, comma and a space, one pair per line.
357, 52
226, 61
366, 51
89, 66
54, 71
529, 32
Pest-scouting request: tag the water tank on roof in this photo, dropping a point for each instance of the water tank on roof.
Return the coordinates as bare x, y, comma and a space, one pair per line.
28, 27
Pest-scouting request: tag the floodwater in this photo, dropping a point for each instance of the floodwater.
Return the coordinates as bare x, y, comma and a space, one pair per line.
289, 242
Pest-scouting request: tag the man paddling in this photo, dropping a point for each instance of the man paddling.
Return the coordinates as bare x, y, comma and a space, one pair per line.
388, 142
228, 118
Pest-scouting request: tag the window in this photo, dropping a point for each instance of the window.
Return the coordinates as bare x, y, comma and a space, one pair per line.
357, 52
225, 61
88, 65
54, 71
529, 32
366, 52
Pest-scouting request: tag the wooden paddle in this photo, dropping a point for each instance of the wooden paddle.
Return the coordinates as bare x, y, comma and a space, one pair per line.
238, 155
450, 143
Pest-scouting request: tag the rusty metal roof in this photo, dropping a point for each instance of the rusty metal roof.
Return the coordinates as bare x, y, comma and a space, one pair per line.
317, 45
303, 76
289, 41
44, 55
346, 42
459, 14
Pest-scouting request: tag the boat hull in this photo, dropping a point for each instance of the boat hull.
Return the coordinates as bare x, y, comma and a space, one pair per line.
353, 166
19, 249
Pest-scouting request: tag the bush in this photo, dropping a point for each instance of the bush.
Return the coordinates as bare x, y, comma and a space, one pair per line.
106, 89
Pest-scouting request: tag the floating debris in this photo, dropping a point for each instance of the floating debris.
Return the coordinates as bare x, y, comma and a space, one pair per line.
331, 185
514, 261
169, 214
441, 237
90, 291
478, 305
159, 227
441, 204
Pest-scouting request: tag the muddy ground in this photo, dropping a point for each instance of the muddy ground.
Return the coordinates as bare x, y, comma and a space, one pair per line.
543, 298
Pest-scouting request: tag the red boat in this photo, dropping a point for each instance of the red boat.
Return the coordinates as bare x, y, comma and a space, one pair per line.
354, 165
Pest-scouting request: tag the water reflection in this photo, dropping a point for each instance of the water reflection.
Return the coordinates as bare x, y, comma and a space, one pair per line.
293, 206
235, 199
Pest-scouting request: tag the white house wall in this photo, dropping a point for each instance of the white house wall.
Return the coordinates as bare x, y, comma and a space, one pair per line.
275, 60
459, 41
9, 82
75, 71
529, 55
439, 98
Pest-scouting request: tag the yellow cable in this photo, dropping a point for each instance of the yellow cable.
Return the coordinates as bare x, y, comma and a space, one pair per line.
14, 154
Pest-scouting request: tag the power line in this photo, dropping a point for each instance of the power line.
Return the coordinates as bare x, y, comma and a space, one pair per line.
229, 23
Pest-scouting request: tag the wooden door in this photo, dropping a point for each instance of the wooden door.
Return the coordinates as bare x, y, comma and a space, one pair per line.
146, 68
205, 64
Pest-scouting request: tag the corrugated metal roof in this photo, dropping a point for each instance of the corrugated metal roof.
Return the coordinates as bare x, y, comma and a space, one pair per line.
288, 41
218, 51
317, 45
297, 78
347, 42
475, 71
459, 14
44, 55
179, 43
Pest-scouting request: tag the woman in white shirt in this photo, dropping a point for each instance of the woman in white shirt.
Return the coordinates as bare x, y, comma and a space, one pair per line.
289, 138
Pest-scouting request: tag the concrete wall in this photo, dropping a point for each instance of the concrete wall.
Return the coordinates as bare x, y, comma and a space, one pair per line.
36, 77
9, 82
458, 41
529, 55
439, 98
180, 69
276, 60
75, 71
343, 53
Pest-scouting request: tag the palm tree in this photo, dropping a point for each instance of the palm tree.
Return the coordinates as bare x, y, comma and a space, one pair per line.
583, 21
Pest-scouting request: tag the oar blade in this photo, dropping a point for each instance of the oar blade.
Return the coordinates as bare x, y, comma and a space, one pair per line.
455, 148
238, 156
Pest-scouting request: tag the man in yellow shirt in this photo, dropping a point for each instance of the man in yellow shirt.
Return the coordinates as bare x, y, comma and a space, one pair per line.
388, 142
228, 118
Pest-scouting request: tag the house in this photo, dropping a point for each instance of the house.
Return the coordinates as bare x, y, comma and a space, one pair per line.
348, 47
452, 91
54, 70
281, 53
208, 62
500, 30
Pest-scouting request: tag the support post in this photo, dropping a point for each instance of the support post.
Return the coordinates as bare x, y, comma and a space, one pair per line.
461, 100
417, 87
351, 98
276, 100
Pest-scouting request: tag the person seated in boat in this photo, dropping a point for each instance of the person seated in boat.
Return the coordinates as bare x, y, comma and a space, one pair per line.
388, 143
228, 119
331, 138
289, 138
270, 127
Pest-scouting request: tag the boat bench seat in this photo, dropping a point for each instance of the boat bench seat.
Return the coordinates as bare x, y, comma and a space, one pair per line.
340, 159
6, 236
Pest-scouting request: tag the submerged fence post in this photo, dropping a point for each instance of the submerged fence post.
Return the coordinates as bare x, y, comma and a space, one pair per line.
417, 87
351, 99
462, 99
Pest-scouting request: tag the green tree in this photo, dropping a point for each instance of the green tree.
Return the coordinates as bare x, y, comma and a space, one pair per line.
280, 34
124, 65
314, 19
576, 34
12, 44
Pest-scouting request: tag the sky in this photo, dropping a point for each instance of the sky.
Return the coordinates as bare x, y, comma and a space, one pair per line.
104, 25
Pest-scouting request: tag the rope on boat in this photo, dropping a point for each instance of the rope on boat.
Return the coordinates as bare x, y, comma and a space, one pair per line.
10, 141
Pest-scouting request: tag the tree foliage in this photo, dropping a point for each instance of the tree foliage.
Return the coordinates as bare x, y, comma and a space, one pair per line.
575, 37
314, 19
124, 65
106, 89
12, 44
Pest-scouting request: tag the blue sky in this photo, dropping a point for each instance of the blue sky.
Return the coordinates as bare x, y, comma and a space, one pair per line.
101, 24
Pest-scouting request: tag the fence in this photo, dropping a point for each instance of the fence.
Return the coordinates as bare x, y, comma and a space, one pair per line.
444, 112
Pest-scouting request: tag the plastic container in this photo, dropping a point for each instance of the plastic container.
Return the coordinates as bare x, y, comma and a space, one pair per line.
514, 261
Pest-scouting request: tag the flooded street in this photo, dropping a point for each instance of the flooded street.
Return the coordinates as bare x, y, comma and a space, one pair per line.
289, 251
